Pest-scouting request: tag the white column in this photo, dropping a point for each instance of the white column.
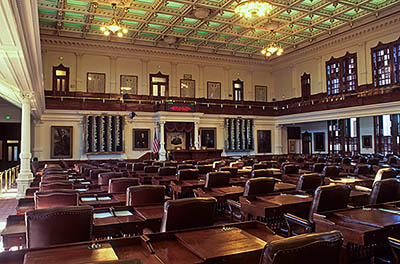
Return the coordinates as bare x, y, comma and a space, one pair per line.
278, 140
196, 134
202, 89
175, 87
25, 176
145, 77
221, 138
80, 86
114, 88
162, 153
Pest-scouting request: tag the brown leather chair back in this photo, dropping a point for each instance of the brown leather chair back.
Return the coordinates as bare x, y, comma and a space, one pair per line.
232, 170
52, 177
373, 161
56, 198
328, 198
385, 173
148, 162
170, 164
138, 166
94, 173
185, 166
261, 173
119, 185
59, 225
55, 185
217, 179
291, 169
362, 169
309, 181
204, 169
151, 169
331, 171
105, 177
386, 190
157, 163
260, 166
145, 195
167, 171
189, 162
188, 174
188, 213
315, 248
318, 167
259, 186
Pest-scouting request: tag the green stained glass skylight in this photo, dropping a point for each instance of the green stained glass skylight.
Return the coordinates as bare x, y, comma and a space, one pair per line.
189, 20
137, 12
174, 4
163, 16
78, 3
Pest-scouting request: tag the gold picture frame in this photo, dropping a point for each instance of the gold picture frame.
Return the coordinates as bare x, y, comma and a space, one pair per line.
61, 142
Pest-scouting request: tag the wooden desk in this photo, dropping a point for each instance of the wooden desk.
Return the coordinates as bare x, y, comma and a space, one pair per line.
152, 214
181, 189
14, 233
180, 155
99, 200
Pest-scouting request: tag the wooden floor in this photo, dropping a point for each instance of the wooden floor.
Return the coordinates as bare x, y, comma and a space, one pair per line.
8, 203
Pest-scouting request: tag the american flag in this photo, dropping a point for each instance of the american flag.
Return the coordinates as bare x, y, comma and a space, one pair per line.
155, 143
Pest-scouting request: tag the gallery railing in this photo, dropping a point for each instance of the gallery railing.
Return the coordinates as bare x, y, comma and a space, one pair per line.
8, 178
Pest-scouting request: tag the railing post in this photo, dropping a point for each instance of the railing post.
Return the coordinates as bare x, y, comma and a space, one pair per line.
5, 180
1, 182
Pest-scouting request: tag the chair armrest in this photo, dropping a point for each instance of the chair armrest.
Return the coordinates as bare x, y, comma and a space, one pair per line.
394, 242
234, 209
199, 192
295, 220
233, 204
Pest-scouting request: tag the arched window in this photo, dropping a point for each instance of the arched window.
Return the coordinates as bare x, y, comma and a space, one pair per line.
60, 78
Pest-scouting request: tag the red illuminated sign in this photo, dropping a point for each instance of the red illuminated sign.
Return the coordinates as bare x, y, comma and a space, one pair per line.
178, 107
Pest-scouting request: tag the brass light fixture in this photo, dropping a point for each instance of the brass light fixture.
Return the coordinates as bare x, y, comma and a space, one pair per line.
115, 26
253, 8
271, 49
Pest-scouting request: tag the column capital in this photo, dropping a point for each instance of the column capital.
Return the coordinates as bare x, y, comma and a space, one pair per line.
27, 95
78, 54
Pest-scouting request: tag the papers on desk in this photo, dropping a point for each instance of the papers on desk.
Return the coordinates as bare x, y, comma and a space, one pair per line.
104, 198
102, 215
85, 182
82, 190
80, 179
122, 213
301, 195
390, 211
88, 199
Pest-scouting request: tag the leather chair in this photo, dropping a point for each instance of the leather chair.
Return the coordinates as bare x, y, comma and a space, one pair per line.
53, 177
204, 169
59, 225
189, 162
170, 164
166, 171
217, 179
386, 190
145, 195
362, 169
259, 186
185, 166
321, 159
148, 162
232, 170
94, 173
260, 166
331, 172
262, 173
49, 166
318, 167
188, 174
385, 173
151, 169
309, 181
105, 177
188, 213
138, 166
314, 248
290, 169
55, 185
373, 161
395, 248
119, 185
50, 199
326, 198
157, 163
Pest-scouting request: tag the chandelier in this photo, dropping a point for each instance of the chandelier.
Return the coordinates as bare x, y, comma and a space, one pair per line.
115, 26
253, 8
271, 49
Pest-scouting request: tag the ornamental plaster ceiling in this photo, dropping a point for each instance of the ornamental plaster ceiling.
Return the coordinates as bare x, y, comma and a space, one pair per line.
209, 25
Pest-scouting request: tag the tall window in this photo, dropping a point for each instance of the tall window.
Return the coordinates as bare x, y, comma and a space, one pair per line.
238, 90
306, 86
60, 78
341, 74
343, 136
383, 134
159, 84
386, 63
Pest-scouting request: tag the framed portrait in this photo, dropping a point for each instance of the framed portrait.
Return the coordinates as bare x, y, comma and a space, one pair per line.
264, 141
141, 139
61, 142
367, 141
187, 88
292, 146
208, 138
96, 82
319, 141
176, 140
261, 93
213, 90
128, 84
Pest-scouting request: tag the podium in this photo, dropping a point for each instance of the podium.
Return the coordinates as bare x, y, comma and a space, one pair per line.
180, 155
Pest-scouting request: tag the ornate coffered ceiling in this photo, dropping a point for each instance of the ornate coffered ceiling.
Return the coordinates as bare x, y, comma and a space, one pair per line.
208, 25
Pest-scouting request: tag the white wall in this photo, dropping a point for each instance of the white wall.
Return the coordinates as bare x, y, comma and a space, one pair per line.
367, 129
313, 128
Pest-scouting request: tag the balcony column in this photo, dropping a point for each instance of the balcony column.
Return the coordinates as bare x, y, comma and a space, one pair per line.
278, 140
80, 86
162, 153
143, 88
25, 176
175, 85
196, 135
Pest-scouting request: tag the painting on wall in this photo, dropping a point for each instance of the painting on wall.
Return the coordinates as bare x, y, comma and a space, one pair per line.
187, 88
129, 84
96, 82
61, 142
261, 93
367, 141
141, 139
213, 90
176, 140
264, 141
208, 137
319, 141
292, 146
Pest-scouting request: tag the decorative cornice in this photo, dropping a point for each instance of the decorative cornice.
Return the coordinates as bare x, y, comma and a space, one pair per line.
49, 41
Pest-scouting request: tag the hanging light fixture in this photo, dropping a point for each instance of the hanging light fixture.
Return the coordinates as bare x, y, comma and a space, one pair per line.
253, 8
271, 49
115, 26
